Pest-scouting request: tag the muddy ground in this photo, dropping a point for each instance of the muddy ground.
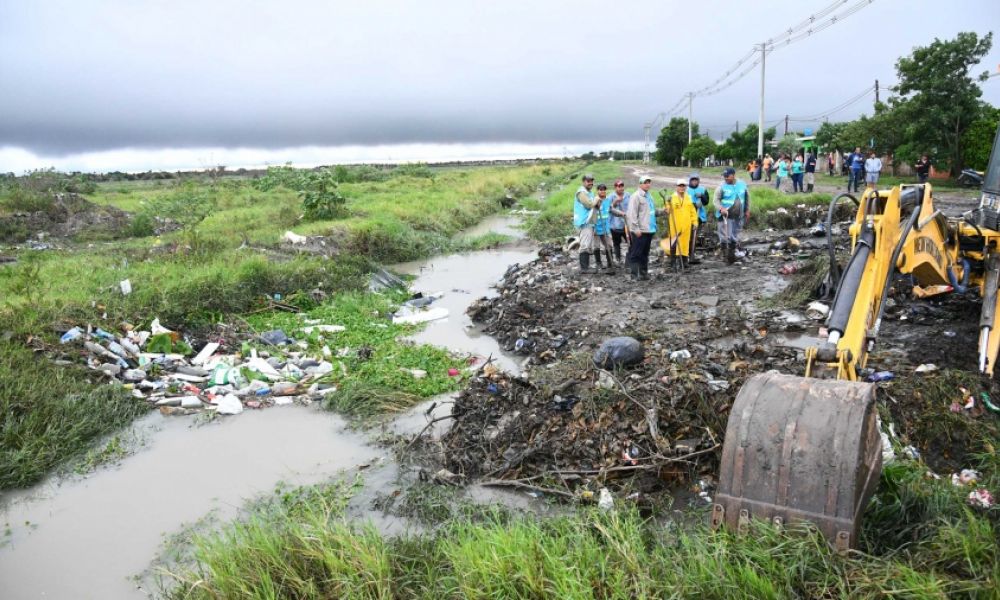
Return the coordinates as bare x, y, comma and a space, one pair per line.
565, 427
66, 216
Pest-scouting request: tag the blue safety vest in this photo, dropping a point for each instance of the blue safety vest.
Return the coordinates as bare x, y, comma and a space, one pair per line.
652, 214
603, 225
696, 193
581, 214
731, 194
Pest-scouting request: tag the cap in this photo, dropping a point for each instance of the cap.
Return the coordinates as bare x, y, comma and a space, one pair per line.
619, 182
588, 176
729, 171
645, 178
682, 182
694, 176
602, 186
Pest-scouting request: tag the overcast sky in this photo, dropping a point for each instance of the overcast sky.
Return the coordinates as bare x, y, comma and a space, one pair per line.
163, 84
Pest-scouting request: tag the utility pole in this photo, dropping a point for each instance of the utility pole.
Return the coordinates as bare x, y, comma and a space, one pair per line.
690, 116
760, 120
876, 92
645, 152
786, 124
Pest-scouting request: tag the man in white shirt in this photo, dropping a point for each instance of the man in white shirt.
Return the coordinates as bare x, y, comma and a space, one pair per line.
873, 166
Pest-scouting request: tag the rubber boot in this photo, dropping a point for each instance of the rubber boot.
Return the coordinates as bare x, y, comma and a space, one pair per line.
633, 271
685, 263
611, 265
810, 190
598, 267
730, 253
644, 272
673, 262
723, 249
585, 263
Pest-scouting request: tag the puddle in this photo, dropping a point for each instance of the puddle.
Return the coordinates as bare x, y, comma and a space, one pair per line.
464, 278
87, 538
800, 341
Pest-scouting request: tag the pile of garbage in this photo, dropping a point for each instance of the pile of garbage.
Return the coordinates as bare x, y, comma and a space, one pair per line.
155, 367
580, 427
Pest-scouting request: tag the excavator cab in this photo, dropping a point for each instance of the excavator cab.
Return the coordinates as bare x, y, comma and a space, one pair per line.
808, 448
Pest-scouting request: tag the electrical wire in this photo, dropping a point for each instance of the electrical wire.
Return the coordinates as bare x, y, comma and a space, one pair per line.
853, 100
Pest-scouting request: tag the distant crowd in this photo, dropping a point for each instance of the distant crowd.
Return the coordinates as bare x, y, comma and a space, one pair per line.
857, 166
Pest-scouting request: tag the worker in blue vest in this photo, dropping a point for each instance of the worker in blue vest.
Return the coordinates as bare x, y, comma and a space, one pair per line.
732, 209
699, 195
585, 219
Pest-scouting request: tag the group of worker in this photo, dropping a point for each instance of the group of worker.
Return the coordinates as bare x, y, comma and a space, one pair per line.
606, 222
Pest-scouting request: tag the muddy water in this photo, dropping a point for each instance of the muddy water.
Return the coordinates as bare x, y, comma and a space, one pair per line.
87, 538
464, 278
90, 538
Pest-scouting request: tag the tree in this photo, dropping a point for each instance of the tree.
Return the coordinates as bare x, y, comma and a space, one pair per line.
672, 140
699, 149
789, 144
977, 141
939, 97
742, 145
830, 136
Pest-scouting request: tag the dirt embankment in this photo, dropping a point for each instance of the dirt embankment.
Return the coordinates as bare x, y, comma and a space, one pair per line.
64, 215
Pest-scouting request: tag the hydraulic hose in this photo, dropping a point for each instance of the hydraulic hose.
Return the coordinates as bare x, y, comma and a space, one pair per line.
834, 274
892, 266
988, 314
847, 289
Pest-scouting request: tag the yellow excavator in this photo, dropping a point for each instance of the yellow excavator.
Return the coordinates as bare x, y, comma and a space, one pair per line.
809, 448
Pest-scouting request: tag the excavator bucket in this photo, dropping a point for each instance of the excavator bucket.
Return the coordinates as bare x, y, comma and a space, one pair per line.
799, 449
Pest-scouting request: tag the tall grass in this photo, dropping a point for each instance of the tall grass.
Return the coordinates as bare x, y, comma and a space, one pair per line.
317, 554
49, 414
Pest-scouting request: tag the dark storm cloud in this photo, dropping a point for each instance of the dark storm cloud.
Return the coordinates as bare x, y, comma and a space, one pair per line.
84, 76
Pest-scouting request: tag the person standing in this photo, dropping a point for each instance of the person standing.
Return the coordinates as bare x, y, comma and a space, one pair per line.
699, 196
782, 171
923, 168
873, 166
681, 219
602, 228
856, 160
797, 169
640, 218
831, 163
732, 209
768, 163
810, 171
619, 204
584, 219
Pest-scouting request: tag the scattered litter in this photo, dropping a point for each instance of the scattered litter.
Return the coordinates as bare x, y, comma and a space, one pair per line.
718, 385
817, 311
790, 268
618, 352
965, 477
71, 335
981, 498
382, 280
416, 373
453, 372
911, 453
229, 405
126, 287
275, 337
931, 290
411, 316
881, 376
986, 401
205, 353
323, 328
294, 238
605, 500
679, 355
926, 368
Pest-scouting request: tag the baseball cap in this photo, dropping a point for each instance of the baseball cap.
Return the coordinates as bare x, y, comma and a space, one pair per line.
645, 178
619, 182
588, 176
602, 186
682, 182
694, 176
729, 171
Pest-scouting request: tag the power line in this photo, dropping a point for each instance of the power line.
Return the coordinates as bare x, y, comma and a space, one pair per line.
853, 100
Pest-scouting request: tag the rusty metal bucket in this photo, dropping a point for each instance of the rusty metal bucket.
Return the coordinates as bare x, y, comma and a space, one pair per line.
800, 449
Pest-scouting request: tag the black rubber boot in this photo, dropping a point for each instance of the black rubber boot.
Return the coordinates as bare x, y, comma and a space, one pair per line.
685, 263
633, 271
611, 265
585, 263
597, 261
810, 188
723, 249
643, 272
673, 262
730, 253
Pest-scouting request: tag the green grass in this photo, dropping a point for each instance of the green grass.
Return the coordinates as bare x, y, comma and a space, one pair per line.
378, 381
556, 219
309, 550
49, 414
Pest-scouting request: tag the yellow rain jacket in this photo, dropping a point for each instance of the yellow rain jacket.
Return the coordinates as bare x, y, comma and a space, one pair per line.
681, 219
